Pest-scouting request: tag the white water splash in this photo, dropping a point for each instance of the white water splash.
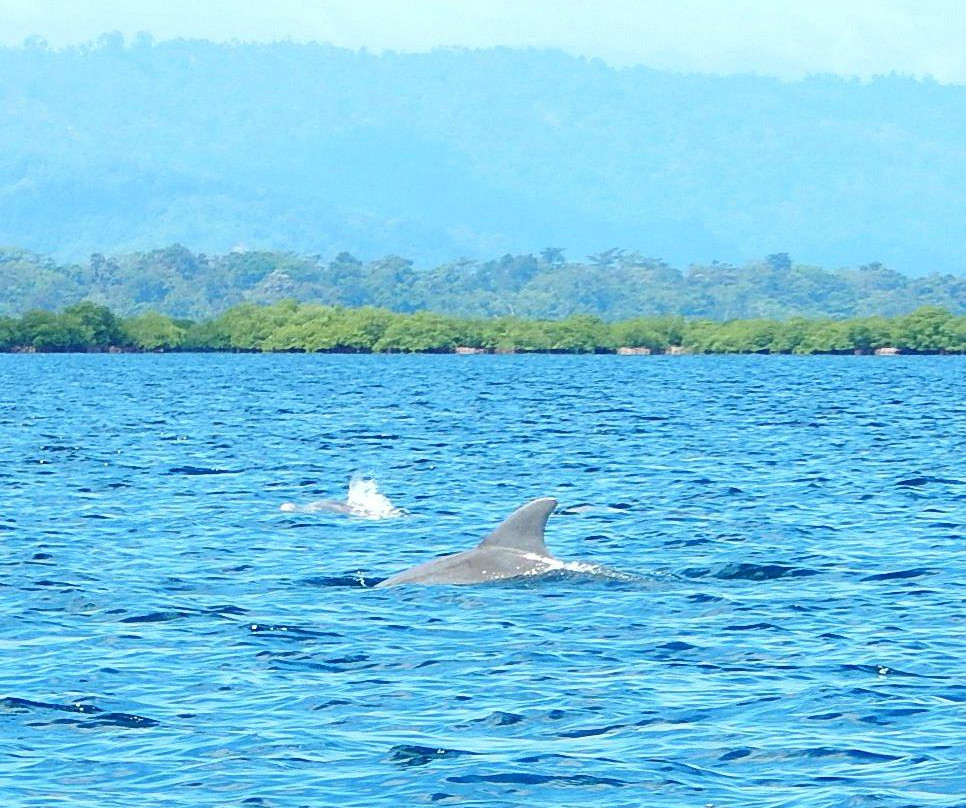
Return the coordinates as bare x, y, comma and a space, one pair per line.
363, 499
549, 564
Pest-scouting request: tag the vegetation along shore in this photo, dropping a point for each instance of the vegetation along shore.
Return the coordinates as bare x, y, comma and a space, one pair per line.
288, 326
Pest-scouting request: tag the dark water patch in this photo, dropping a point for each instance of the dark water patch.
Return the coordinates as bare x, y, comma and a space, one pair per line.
332, 703
899, 575
124, 720
348, 661
704, 597
859, 756
590, 732
746, 571
697, 542
532, 779
156, 617
408, 755
891, 715
289, 632
736, 754
64, 585
201, 470
308, 662
753, 627
97, 716
227, 609
885, 670
352, 581
919, 482
576, 509
677, 646
499, 718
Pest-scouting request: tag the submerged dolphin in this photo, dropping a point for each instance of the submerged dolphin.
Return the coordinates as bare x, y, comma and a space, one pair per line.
515, 548
319, 506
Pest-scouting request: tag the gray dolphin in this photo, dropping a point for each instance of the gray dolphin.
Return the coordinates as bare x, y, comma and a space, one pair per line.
515, 548
363, 499
319, 506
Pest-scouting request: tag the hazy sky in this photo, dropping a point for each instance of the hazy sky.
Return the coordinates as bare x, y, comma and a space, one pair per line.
787, 38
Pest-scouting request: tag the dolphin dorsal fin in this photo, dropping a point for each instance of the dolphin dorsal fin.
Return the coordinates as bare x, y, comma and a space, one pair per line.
523, 529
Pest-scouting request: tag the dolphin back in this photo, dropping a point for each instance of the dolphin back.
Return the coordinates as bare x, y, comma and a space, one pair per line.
523, 529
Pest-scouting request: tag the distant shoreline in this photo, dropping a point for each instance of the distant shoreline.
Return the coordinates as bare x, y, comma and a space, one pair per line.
290, 327
656, 354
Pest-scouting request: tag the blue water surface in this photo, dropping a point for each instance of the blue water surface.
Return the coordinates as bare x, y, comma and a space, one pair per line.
788, 631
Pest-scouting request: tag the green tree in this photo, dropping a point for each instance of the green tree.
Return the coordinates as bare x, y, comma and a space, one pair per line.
9, 333
98, 325
422, 331
153, 332
929, 329
47, 331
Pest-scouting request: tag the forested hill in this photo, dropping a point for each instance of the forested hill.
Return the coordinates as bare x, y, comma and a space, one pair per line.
614, 284
130, 146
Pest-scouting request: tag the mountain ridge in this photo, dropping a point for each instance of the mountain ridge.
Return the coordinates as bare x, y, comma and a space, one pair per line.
118, 148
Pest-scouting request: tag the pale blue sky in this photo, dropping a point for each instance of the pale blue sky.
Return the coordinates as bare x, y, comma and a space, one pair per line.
772, 37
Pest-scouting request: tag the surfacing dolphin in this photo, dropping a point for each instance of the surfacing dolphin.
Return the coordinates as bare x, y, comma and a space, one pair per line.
514, 549
363, 499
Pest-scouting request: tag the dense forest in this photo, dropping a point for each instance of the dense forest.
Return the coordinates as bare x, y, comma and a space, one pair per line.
126, 146
613, 285
288, 326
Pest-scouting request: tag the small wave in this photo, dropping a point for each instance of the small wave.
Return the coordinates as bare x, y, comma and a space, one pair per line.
414, 755
289, 632
201, 470
746, 571
589, 507
354, 581
899, 575
918, 482
761, 572
860, 756
529, 779
499, 718
752, 627
95, 715
155, 617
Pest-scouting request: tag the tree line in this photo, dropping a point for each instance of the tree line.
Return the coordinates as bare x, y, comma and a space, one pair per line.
292, 327
615, 284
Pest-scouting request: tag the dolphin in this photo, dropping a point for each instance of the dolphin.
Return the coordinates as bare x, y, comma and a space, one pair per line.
513, 549
320, 506
363, 499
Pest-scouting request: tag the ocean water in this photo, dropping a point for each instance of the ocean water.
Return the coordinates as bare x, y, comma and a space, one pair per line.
783, 626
